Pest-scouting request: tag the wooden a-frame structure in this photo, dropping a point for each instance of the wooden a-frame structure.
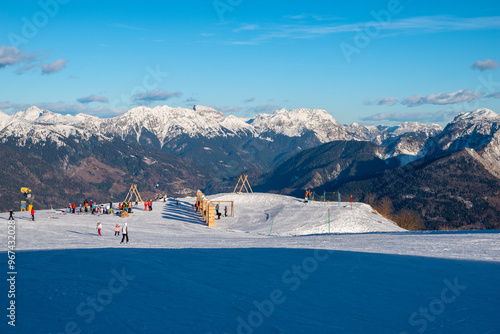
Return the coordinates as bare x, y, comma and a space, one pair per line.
244, 184
133, 191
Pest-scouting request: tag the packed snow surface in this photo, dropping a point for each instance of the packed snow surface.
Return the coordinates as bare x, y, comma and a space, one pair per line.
179, 276
293, 217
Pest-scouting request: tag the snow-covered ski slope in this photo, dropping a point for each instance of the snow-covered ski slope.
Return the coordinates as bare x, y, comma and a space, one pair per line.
294, 217
179, 276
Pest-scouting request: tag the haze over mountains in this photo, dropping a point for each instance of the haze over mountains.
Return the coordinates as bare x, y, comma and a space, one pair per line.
186, 149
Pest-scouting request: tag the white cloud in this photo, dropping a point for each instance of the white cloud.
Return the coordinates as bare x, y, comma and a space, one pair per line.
156, 95
93, 98
228, 109
128, 27
487, 64
191, 100
247, 27
382, 101
266, 108
459, 96
406, 26
423, 117
12, 56
312, 16
54, 67
494, 95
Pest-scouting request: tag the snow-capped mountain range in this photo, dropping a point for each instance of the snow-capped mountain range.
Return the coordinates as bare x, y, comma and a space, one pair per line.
167, 123
231, 142
201, 148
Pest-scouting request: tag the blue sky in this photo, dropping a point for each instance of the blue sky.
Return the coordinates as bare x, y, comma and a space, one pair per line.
371, 62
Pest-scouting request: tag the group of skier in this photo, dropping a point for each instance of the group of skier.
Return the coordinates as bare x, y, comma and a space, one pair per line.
11, 214
92, 206
217, 213
124, 230
309, 196
148, 205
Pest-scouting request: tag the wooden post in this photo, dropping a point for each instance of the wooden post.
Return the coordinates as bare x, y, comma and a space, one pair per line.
133, 192
211, 215
244, 184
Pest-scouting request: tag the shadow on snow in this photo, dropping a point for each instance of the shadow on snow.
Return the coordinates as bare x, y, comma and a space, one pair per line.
214, 290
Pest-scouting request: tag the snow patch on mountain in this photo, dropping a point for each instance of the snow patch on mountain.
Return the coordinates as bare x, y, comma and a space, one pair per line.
479, 114
294, 123
237, 125
415, 128
30, 114
4, 119
473, 130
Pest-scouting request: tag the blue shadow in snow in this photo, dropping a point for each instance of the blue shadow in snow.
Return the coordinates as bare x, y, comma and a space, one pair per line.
211, 290
183, 212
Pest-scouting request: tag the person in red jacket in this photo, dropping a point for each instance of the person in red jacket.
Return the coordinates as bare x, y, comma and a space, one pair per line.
73, 206
32, 214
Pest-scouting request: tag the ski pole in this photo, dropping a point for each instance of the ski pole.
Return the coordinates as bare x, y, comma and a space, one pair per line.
272, 222
328, 220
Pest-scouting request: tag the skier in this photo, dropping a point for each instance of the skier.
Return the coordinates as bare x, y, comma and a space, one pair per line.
99, 227
73, 206
117, 230
124, 233
145, 205
225, 211
11, 216
32, 214
217, 209
196, 206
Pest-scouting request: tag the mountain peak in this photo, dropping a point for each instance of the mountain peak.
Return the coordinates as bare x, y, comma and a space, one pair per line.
30, 114
208, 111
478, 114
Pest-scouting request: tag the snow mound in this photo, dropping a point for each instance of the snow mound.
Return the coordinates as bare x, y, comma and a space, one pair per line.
254, 214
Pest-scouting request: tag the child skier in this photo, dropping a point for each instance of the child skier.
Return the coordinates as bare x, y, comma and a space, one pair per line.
11, 216
124, 233
117, 230
99, 227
